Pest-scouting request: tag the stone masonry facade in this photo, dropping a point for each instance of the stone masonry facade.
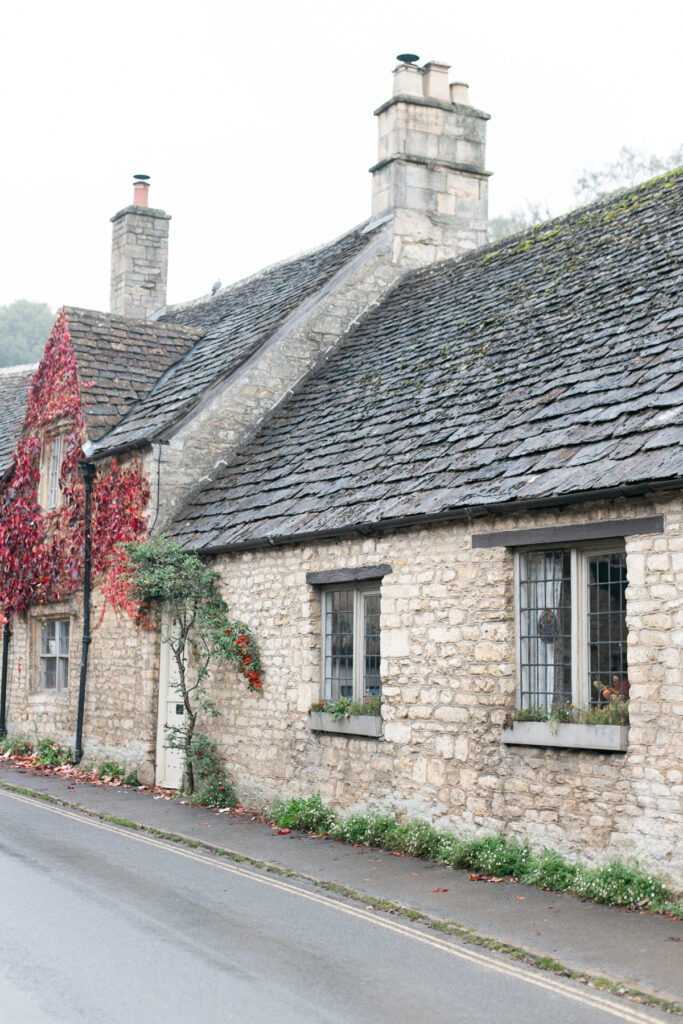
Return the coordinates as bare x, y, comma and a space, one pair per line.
121, 694
448, 674
139, 261
448, 678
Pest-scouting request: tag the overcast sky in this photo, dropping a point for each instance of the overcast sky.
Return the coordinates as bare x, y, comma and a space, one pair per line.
255, 120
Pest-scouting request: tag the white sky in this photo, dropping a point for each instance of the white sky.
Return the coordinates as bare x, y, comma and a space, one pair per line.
255, 121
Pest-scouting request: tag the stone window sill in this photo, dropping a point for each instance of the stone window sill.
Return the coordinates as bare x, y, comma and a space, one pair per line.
352, 725
580, 737
48, 696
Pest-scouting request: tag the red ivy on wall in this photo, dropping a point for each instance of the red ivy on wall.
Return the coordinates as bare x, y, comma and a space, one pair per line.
41, 553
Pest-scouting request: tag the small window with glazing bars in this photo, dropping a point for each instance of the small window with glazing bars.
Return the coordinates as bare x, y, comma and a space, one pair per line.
54, 654
351, 642
571, 627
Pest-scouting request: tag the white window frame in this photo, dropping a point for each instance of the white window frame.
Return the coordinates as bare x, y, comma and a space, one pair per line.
52, 457
580, 650
62, 626
360, 592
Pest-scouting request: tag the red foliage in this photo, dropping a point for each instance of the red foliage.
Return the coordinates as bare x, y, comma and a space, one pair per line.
41, 553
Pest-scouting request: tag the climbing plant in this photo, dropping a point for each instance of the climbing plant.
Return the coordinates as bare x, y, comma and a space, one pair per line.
179, 593
41, 552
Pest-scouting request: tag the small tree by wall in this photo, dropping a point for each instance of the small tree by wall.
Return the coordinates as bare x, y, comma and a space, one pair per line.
179, 592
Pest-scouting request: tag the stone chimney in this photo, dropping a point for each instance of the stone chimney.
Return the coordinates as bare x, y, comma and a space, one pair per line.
139, 255
430, 173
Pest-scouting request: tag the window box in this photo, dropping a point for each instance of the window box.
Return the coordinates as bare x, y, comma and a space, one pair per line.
581, 737
351, 725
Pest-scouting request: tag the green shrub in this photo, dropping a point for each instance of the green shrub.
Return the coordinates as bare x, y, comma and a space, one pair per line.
613, 713
131, 778
370, 829
496, 855
306, 813
453, 851
549, 870
18, 745
211, 788
419, 839
346, 706
111, 769
620, 885
51, 755
614, 883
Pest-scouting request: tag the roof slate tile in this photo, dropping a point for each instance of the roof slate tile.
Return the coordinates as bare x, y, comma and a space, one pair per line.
540, 368
229, 327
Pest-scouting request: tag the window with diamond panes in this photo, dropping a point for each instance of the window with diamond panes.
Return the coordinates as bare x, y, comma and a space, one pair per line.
351, 643
571, 625
54, 654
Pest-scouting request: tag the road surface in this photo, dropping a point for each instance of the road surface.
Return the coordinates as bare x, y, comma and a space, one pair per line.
103, 925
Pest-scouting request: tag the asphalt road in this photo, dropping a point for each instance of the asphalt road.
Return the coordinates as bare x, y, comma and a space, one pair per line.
99, 924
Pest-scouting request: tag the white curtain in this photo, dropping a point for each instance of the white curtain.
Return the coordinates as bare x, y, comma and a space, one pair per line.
540, 592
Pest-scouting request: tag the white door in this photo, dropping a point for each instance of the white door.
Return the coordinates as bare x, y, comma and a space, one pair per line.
169, 771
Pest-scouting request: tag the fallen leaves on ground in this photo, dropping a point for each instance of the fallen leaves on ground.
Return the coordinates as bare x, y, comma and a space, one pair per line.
439, 890
485, 878
77, 775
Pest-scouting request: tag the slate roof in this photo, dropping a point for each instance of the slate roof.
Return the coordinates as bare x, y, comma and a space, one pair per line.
14, 381
233, 324
545, 367
123, 357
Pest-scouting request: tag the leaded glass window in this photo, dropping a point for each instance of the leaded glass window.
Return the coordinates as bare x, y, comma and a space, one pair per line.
571, 625
351, 643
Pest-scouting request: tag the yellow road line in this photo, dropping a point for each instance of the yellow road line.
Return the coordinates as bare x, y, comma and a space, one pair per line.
550, 984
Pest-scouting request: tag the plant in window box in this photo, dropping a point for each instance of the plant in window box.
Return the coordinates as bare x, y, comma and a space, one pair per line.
603, 726
360, 718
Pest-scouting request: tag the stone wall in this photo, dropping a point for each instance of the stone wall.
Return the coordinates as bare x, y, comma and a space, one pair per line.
448, 669
139, 261
122, 686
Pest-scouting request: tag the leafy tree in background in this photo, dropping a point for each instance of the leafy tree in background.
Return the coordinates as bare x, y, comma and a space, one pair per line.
24, 329
519, 219
630, 168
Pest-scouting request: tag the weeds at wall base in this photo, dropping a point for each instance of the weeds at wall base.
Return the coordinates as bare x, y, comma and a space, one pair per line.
613, 883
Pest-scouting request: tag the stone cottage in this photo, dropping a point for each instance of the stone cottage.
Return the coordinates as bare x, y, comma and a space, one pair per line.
427, 467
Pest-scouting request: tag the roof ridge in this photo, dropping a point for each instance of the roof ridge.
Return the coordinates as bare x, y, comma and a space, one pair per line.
510, 241
134, 321
6, 371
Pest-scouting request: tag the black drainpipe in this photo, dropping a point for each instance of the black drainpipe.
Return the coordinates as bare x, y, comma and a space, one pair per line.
6, 634
87, 472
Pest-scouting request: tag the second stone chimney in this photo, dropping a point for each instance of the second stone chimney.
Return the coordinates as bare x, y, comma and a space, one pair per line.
430, 175
139, 255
